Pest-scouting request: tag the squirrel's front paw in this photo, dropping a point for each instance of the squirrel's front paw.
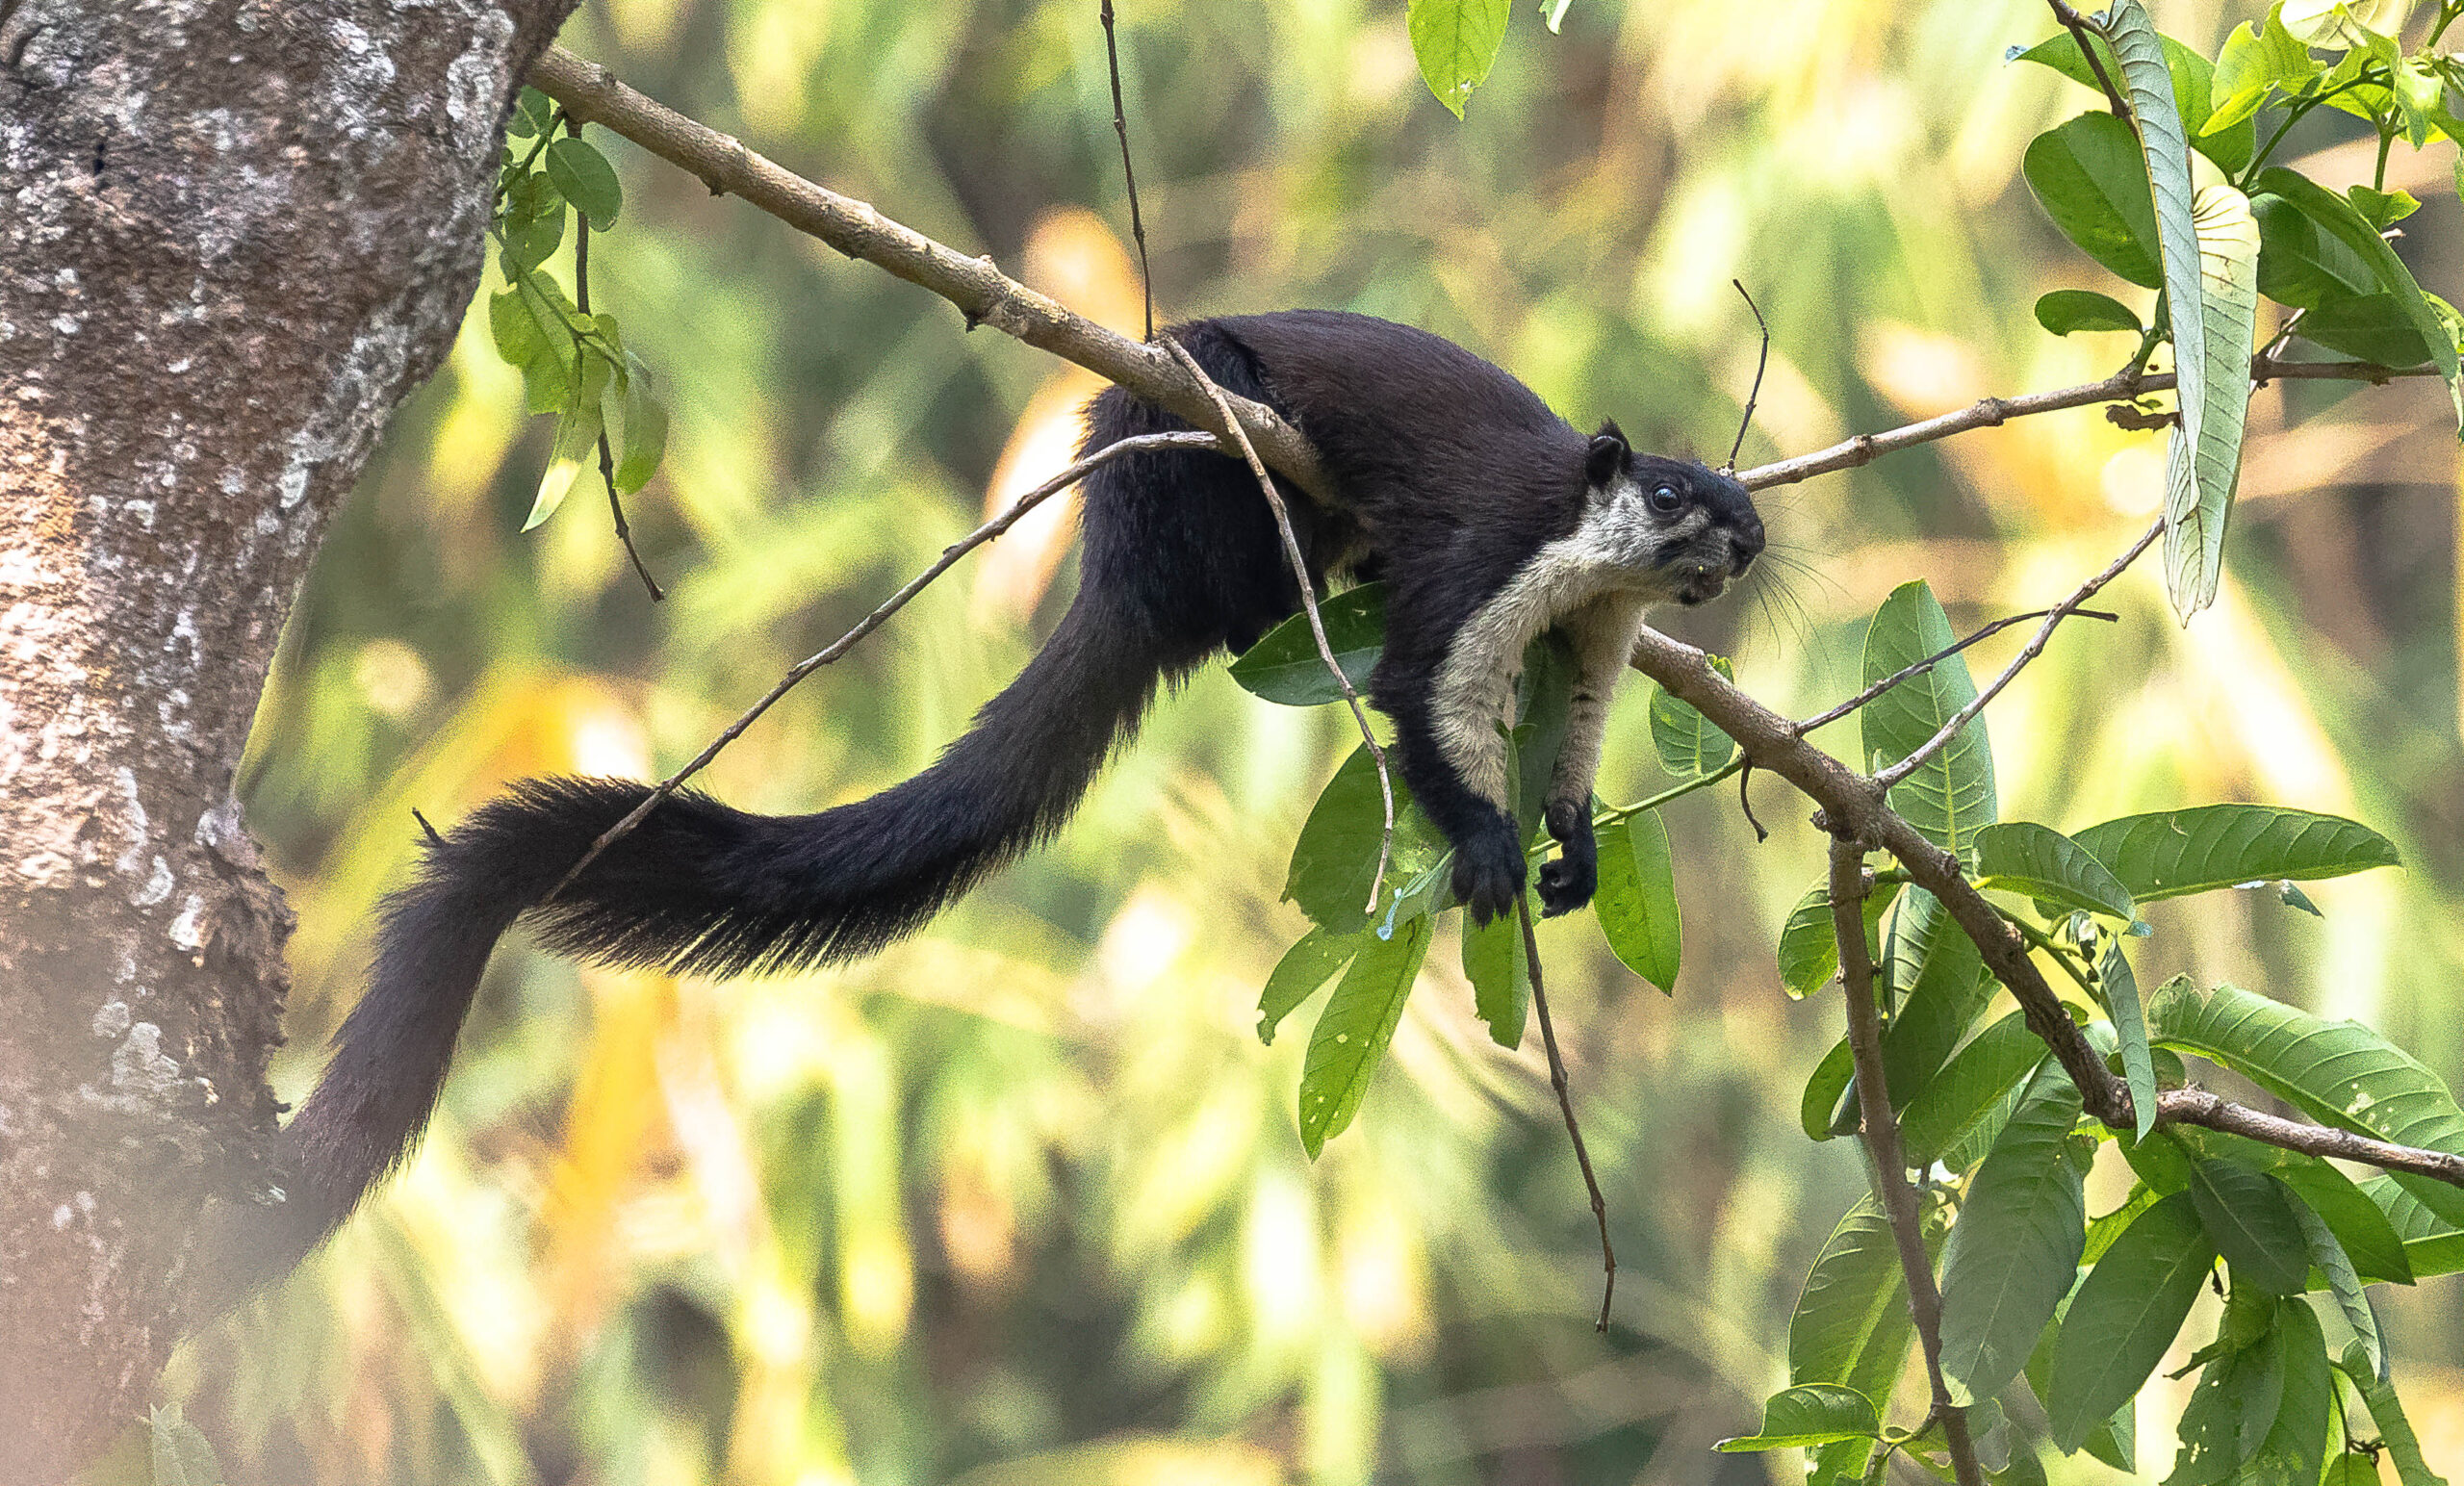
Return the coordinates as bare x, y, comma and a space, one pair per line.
1569, 882
1489, 874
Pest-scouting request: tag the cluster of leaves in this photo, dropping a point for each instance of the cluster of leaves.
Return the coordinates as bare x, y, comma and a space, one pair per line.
1380, 952
574, 365
2124, 191
2052, 1322
1456, 42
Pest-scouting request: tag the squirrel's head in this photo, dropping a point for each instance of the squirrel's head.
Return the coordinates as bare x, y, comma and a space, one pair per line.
1679, 527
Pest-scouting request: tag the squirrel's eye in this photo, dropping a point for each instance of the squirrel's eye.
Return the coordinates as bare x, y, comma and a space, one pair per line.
1666, 501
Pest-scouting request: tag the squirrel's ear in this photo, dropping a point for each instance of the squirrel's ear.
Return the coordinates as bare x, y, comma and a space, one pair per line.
1607, 454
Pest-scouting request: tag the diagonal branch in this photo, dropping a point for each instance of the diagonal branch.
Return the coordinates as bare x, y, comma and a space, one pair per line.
1879, 1128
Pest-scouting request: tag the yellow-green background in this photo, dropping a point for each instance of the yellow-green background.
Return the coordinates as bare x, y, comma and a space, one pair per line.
1023, 1198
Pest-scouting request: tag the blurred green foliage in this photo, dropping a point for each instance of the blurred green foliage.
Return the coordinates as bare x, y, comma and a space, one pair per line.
1024, 1199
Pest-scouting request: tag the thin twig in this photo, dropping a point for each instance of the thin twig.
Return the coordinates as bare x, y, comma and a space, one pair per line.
607, 456
2079, 26
1761, 363
2198, 1107
1879, 1128
874, 621
1745, 803
1912, 672
1301, 579
1566, 1107
2030, 651
1121, 126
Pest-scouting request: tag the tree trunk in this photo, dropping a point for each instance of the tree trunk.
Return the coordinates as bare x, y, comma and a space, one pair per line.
234, 234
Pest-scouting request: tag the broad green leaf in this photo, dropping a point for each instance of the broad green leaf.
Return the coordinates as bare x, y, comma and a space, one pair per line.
2249, 1215
1499, 969
2383, 209
2372, 328
2103, 1231
583, 177
2127, 1313
2341, 23
1285, 666
1456, 42
2065, 309
2233, 1408
180, 1452
2387, 1413
2364, 1233
2232, 144
1941, 985
645, 432
2172, 853
2337, 217
2294, 1449
2115, 1440
578, 433
2303, 265
1303, 969
1808, 950
2013, 1252
1851, 1324
1824, 1109
2022, 856
2087, 175
1336, 854
1353, 1031
2339, 1073
1976, 1079
1638, 899
2256, 59
2432, 1245
1688, 745
2205, 458
531, 112
2120, 987
535, 224
1813, 1414
2343, 1283
1950, 797
556, 359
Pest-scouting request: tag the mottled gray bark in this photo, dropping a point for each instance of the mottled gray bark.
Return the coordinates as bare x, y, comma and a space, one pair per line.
234, 234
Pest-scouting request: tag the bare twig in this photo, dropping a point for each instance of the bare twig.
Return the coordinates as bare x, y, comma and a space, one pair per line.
1301, 579
1879, 1128
2079, 27
987, 296
2030, 651
1992, 412
1912, 672
1566, 1107
607, 456
1121, 126
1761, 363
874, 621
2198, 1107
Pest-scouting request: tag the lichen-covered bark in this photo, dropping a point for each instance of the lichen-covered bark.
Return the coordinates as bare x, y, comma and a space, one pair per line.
233, 235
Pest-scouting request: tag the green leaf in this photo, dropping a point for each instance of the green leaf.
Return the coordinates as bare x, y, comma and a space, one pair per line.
2127, 1313
1353, 1031
2233, 1408
2256, 60
1638, 898
2014, 1249
2372, 328
2130, 1028
583, 177
578, 431
1285, 667
1689, 746
531, 112
2065, 309
2087, 175
2387, 1413
2339, 1073
1942, 985
2383, 209
2432, 1245
2300, 264
2205, 457
1950, 797
2249, 1215
1499, 969
1824, 1109
181, 1454
2339, 218
2023, 857
533, 224
1851, 1324
1456, 42
644, 437
1336, 854
2232, 144
1971, 1087
1304, 969
2343, 1283
553, 359
1813, 1413
1809, 953
2172, 853
2294, 1449
2364, 1234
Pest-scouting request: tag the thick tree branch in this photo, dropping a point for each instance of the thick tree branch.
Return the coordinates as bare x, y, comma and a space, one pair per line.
592, 93
1879, 1128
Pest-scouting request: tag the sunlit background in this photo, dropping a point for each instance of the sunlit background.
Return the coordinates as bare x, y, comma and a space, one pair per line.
1023, 1199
